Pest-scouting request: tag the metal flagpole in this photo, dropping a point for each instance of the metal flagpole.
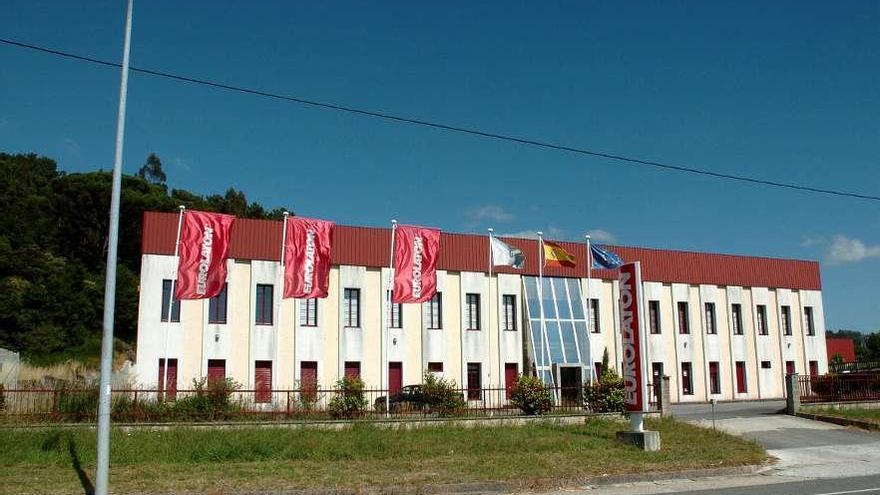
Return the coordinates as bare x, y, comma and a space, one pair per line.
383, 339
590, 304
541, 298
102, 471
497, 313
164, 383
278, 325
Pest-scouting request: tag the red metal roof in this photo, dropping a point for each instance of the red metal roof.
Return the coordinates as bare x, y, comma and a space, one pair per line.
369, 246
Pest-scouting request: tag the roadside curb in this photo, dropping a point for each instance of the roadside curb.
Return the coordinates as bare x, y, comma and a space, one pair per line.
495, 487
865, 425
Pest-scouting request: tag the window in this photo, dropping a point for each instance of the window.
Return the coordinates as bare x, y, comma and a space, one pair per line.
352, 369
217, 307
766, 365
594, 316
216, 371
741, 384
687, 384
790, 368
167, 287
395, 318
308, 312
814, 368
263, 309
474, 381
654, 316
352, 305
808, 315
262, 381
684, 326
472, 311
762, 320
786, 320
308, 380
736, 318
714, 378
509, 314
171, 382
711, 327
434, 312
435, 367
598, 368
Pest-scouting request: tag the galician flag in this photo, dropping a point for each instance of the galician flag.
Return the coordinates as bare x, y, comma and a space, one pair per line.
504, 254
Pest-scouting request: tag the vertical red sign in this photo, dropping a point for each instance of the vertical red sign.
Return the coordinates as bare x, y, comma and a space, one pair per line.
307, 257
416, 251
204, 246
631, 329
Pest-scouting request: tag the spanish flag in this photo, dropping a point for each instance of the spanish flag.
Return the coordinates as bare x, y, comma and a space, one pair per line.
555, 255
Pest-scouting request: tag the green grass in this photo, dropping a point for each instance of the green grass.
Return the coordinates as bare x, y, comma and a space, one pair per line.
870, 415
185, 459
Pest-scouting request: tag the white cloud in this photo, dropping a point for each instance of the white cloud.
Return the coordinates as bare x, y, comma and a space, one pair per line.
494, 213
844, 249
600, 235
71, 146
550, 233
182, 163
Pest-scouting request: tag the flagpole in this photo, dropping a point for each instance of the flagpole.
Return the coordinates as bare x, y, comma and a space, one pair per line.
497, 311
590, 305
102, 471
383, 339
278, 325
164, 384
541, 297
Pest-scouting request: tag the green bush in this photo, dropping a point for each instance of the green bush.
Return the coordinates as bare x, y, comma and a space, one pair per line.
441, 396
349, 401
607, 394
531, 396
2, 397
75, 400
208, 402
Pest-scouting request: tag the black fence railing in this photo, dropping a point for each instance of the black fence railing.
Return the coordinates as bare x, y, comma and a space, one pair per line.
854, 367
848, 387
151, 405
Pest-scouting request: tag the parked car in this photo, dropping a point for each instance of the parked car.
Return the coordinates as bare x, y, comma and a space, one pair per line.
410, 398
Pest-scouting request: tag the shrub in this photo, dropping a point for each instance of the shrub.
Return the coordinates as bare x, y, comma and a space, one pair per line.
2, 397
531, 396
75, 400
208, 402
607, 394
441, 396
349, 401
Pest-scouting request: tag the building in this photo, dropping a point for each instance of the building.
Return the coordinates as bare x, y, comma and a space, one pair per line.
10, 367
844, 346
720, 326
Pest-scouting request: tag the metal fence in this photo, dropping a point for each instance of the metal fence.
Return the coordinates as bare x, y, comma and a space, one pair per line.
839, 387
854, 367
151, 405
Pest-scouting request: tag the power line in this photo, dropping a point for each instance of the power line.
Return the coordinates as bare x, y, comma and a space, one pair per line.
462, 130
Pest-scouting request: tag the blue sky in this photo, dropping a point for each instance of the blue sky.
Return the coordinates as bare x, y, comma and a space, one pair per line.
788, 91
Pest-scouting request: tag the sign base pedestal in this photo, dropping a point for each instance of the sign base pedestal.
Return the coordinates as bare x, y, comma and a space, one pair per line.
649, 441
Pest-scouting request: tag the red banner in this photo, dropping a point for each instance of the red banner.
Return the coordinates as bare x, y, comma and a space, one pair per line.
204, 246
307, 257
631, 329
416, 250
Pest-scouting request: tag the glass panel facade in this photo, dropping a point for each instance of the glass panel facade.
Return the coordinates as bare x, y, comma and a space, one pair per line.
563, 337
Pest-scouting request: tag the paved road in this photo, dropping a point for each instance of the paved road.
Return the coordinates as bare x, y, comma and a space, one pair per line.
814, 457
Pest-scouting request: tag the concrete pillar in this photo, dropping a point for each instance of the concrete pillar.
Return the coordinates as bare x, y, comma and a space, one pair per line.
665, 396
792, 394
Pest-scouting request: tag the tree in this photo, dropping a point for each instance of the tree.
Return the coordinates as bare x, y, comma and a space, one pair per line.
152, 170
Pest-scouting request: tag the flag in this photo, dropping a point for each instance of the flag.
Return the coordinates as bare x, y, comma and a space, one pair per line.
603, 258
504, 254
307, 257
415, 264
204, 246
556, 255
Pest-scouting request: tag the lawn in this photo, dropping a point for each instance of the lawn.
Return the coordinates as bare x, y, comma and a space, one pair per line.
869, 415
215, 460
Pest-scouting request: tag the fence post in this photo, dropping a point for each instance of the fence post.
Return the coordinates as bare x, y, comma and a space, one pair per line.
792, 394
665, 397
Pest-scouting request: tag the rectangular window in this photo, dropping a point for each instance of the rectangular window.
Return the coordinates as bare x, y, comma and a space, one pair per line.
434, 312
308, 380
264, 306
711, 327
762, 320
435, 367
790, 368
472, 311
687, 384
352, 305
396, 316
654, 316
474, 381
736, 318
167, 286
766, 365
352, 369
786, 320
597, 367
741, 384
594, 316
684, 325
262, 381
217, 307
814, 368
216, 371
509, 314
308, 312
808, 315
171, 382
714, 378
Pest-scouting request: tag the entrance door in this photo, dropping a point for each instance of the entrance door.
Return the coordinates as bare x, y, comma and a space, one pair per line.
395, 377
741, 377
570, 382
511, 373
171, 385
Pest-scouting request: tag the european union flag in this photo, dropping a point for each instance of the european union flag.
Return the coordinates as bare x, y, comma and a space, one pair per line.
603, 258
